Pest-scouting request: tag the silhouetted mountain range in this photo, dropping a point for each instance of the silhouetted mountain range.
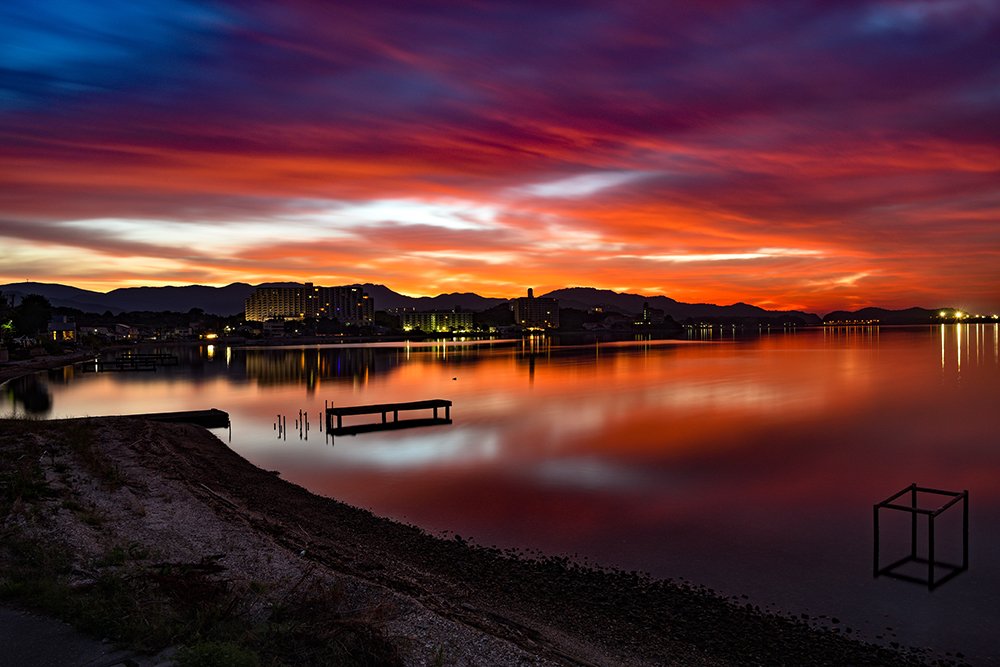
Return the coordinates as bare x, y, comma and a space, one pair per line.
908, 316
586, 298
386, 299
229, 300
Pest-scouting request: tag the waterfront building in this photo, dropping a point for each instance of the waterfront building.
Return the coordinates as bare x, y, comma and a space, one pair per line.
62, 329
347, 304
536, 314
292, 302
651, 316
437, 322
273, 327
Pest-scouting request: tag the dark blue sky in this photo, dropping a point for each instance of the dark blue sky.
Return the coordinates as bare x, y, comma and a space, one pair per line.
810, 154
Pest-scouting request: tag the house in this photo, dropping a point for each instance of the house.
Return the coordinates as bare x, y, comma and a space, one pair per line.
274, 328
126, 332
62, 329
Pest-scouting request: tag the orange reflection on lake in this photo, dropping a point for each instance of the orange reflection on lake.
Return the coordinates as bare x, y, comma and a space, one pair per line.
749, 465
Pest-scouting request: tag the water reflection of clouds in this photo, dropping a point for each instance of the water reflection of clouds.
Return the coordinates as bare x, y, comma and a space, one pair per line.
591, 473
748, 459
437, 447
756, 396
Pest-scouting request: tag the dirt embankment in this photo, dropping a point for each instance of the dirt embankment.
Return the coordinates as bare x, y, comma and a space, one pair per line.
266, 566
13, 369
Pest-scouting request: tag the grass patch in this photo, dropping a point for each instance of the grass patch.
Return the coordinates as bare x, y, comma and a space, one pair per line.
312, 630
216, 654
150, 606
82, 438
21, 477
87, 515
145, 605
117, 604
122, 554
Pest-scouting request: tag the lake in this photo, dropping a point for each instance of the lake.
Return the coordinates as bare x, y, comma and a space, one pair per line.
749, 465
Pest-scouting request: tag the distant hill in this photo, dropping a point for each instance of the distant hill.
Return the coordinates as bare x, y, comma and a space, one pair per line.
386, 299
216, 300
907, 316
58, 295
589, 297
229, 300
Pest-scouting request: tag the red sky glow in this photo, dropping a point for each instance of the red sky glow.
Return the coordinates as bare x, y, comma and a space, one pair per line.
816, 155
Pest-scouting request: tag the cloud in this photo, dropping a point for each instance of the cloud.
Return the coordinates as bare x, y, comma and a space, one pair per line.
511, 143
762, 253
582, 185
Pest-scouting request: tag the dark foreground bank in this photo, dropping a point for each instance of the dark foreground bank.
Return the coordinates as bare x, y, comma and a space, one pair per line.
159, 535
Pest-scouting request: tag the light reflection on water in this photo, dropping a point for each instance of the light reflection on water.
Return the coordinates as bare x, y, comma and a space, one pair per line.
747, 465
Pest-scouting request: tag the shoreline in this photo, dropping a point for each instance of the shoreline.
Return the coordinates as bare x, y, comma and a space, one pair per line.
180, 491
605, 616
12, 370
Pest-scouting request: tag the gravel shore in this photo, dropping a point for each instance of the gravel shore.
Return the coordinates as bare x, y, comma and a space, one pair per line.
175, 494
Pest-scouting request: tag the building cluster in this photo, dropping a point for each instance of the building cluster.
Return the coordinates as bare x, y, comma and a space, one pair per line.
63, 329
651, 317
437, 322
851, 323
536, 313
530, 313
347, 304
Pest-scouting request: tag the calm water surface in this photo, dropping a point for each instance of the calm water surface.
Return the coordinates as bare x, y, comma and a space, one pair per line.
750, 466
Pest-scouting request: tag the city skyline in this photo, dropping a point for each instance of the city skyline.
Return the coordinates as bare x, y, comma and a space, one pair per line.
819, 157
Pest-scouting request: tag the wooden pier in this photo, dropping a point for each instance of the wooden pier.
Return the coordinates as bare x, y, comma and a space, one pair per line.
155, 358
116, 365
140, 361
212, 418
336, 426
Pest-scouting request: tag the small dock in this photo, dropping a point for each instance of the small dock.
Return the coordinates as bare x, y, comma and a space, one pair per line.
130, 362
212, 418
154, 358
116, 365
335, 416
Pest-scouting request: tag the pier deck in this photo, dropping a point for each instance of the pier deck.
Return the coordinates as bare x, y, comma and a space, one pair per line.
116, 365
212, 418
335, 416
157, 358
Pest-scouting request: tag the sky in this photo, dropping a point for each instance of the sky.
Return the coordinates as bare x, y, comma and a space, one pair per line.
810, 155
